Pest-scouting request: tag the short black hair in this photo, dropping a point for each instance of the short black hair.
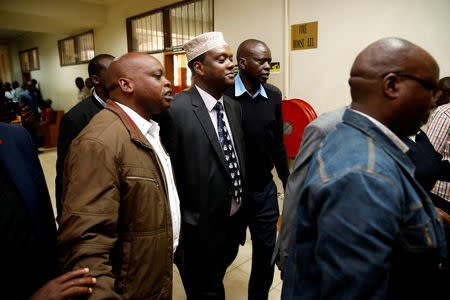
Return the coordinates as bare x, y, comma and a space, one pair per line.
200, 58
94, 66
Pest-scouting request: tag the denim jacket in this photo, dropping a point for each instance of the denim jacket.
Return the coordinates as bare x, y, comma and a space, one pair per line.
365, 228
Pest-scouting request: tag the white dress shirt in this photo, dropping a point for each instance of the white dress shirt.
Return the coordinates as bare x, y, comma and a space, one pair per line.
97, 97
150, 129
210, 102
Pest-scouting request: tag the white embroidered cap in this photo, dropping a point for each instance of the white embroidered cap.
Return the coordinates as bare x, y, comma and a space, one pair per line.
203, 43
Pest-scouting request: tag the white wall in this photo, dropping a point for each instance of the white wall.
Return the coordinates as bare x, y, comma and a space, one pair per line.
346, 27
258, 19
56, 82
318, 76
16, 73
112, 37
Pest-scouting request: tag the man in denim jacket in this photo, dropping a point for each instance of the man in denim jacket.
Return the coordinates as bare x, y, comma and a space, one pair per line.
365, 227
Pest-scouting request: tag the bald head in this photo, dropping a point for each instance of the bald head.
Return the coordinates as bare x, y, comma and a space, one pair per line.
137, 80
383, 56
246, 47
444, 83
443, 96
127, 66
393, 80
388, 55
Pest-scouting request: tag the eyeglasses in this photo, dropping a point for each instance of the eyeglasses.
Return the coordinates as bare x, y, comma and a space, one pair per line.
432, 87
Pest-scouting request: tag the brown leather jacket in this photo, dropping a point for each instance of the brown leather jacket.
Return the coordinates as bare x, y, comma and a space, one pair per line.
116, 216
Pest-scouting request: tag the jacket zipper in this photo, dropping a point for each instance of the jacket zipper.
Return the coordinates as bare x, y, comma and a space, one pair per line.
143, 178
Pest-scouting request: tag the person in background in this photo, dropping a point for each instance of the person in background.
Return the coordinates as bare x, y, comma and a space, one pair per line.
89, 85
79, 116
83, 91
262, 121
36, 89
17, 90
47, 113
366, 229
30, 98
27, 226
439, 132
9, 94
313, 135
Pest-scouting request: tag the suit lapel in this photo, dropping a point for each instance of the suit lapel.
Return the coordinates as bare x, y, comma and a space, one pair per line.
202, 114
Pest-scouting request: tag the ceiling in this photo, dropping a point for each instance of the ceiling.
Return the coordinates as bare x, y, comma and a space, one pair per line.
18, 17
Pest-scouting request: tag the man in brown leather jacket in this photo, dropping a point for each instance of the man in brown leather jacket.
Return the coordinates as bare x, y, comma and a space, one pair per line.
120, 213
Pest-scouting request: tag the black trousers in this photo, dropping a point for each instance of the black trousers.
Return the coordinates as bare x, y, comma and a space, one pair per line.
263, 216
203, 262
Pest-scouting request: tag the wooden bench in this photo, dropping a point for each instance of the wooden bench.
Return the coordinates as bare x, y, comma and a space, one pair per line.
51, 131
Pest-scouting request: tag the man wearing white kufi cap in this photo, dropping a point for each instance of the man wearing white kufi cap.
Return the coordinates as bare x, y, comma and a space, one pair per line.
202, 132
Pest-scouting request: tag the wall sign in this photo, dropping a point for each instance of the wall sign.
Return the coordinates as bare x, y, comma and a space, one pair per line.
304, 36
274, 67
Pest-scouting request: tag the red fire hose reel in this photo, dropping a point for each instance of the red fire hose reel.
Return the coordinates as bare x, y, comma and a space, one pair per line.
297, 114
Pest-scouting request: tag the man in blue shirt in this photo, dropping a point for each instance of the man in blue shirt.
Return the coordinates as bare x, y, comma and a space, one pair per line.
263, 133
29, 97
366, 229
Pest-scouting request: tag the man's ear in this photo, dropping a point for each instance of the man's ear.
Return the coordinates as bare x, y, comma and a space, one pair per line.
126, 85
95, 80
242, 63
391, 86
198, 68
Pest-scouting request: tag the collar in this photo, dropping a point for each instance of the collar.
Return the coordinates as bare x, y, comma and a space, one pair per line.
103, 103
150, 127
209, 100
394, 138
239, 88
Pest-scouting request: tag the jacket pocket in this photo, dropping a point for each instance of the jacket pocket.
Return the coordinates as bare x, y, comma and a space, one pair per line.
418, 238
154, 180
144, 205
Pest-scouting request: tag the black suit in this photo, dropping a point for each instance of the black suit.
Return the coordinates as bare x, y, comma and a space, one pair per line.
71, 125
209, 236
429, 166
27, 225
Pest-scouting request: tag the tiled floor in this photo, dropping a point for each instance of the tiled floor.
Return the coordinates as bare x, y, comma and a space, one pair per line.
237, 276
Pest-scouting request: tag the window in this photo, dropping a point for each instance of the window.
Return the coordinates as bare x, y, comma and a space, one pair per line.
29, 60
148, 33
190, 20
170, 27
76, 49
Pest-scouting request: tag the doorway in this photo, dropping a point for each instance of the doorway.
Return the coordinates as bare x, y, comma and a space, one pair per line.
177, 71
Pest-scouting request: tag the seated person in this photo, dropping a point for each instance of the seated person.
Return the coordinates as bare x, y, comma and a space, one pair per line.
47, 113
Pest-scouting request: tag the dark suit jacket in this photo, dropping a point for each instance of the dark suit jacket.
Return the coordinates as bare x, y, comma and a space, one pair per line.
28, 231
202, 177
429, 166
71, 125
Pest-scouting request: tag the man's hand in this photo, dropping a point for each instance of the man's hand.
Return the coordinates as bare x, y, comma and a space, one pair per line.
444, 217
66, 286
